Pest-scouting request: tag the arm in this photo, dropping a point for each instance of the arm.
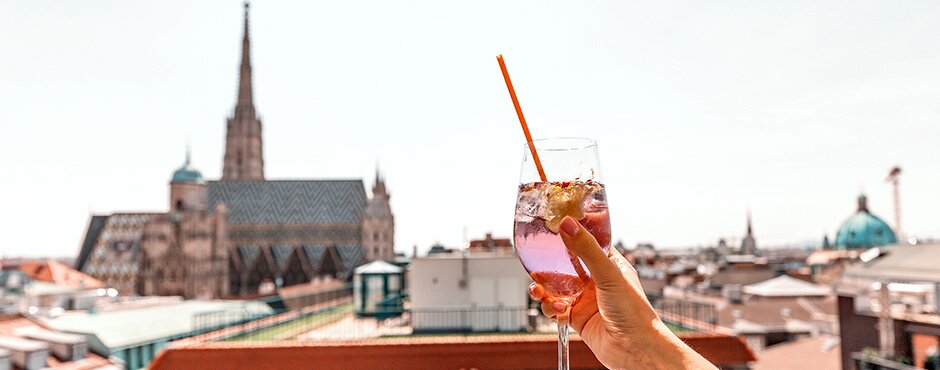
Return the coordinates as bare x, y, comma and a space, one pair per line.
613, 316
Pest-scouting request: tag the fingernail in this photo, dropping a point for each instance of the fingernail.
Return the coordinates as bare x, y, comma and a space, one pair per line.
559, 306
570, 226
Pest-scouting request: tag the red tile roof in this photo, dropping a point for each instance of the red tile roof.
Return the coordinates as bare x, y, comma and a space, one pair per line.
55, 272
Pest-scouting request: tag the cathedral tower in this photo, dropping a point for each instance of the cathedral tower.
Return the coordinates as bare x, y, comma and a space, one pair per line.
243, 155
378, 224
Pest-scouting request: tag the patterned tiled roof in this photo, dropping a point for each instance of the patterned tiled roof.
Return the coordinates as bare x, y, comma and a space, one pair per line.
248, 254
91, 236
352, 257
282, 253
290, 202
314, 253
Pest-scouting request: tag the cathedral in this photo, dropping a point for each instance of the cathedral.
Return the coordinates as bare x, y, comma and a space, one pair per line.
241, 235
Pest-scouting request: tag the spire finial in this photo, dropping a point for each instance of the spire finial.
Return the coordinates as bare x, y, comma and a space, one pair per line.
189, 151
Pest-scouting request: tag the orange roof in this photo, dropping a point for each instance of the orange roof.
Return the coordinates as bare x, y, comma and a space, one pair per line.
508, 351
55, 272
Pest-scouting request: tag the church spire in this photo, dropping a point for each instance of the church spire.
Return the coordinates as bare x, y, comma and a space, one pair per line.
243, 154
245, 96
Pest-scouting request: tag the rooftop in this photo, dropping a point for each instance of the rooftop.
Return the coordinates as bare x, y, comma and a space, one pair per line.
123, 328
914, 263
378, 267
819, 352
786, 286
290, 201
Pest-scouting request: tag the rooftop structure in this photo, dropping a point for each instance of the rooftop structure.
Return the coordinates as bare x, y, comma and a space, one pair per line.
786, 286
766, 323
56, 350
135, 335
889, 301
490, 244
491, 284
864, 230
187, 173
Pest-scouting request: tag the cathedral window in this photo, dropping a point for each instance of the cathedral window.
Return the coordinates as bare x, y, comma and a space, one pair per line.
375, 235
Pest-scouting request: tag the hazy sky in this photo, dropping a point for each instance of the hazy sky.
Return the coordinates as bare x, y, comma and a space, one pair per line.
701, 109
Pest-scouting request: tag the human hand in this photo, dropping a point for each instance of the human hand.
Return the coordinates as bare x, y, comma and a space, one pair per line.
612, 315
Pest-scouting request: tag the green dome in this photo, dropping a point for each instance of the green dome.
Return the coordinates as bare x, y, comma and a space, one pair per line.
187, 173
864, 230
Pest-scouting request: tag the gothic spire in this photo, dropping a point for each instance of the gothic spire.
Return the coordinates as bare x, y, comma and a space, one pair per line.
243, 145
245, 97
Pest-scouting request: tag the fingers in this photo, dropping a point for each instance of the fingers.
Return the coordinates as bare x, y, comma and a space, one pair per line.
552, 308
536, 292
581, 243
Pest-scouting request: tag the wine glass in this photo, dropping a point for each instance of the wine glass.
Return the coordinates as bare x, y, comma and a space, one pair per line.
567, 184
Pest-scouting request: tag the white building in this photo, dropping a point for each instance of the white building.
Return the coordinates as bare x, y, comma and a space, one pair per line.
479, 292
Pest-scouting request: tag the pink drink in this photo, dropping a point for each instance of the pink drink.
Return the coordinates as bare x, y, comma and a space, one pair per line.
539, 211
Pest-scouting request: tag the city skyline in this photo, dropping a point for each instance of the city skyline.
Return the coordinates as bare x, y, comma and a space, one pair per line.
793, 134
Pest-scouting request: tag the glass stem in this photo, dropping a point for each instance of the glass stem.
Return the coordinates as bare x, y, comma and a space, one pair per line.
563, 341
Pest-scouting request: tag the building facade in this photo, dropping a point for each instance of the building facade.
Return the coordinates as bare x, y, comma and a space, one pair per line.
241, 235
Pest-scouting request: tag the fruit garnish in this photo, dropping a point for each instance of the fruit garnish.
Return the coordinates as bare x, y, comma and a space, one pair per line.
565, 199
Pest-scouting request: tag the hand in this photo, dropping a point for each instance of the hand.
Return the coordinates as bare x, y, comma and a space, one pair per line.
612, 315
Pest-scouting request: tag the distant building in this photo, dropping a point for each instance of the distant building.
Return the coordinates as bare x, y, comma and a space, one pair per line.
864, 230
136, 331
779, 310
242, 235
475, 292
489, 244
35, 347
439, 249
34, 287
888, 305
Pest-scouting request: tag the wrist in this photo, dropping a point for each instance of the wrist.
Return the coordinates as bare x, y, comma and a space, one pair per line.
657, 347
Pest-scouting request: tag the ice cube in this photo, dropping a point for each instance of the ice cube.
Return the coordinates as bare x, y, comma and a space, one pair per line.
531, 203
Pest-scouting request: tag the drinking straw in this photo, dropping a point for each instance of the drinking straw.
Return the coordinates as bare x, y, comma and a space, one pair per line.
535, 155
525, 127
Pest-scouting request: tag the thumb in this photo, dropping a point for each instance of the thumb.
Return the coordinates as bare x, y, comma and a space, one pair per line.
582, 244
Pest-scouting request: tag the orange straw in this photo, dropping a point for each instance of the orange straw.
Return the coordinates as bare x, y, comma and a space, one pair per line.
525, 127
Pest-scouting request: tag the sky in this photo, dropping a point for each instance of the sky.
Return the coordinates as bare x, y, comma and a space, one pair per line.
702, 110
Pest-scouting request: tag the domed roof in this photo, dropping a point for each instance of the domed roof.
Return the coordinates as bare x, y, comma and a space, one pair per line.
187, 173
864, 230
